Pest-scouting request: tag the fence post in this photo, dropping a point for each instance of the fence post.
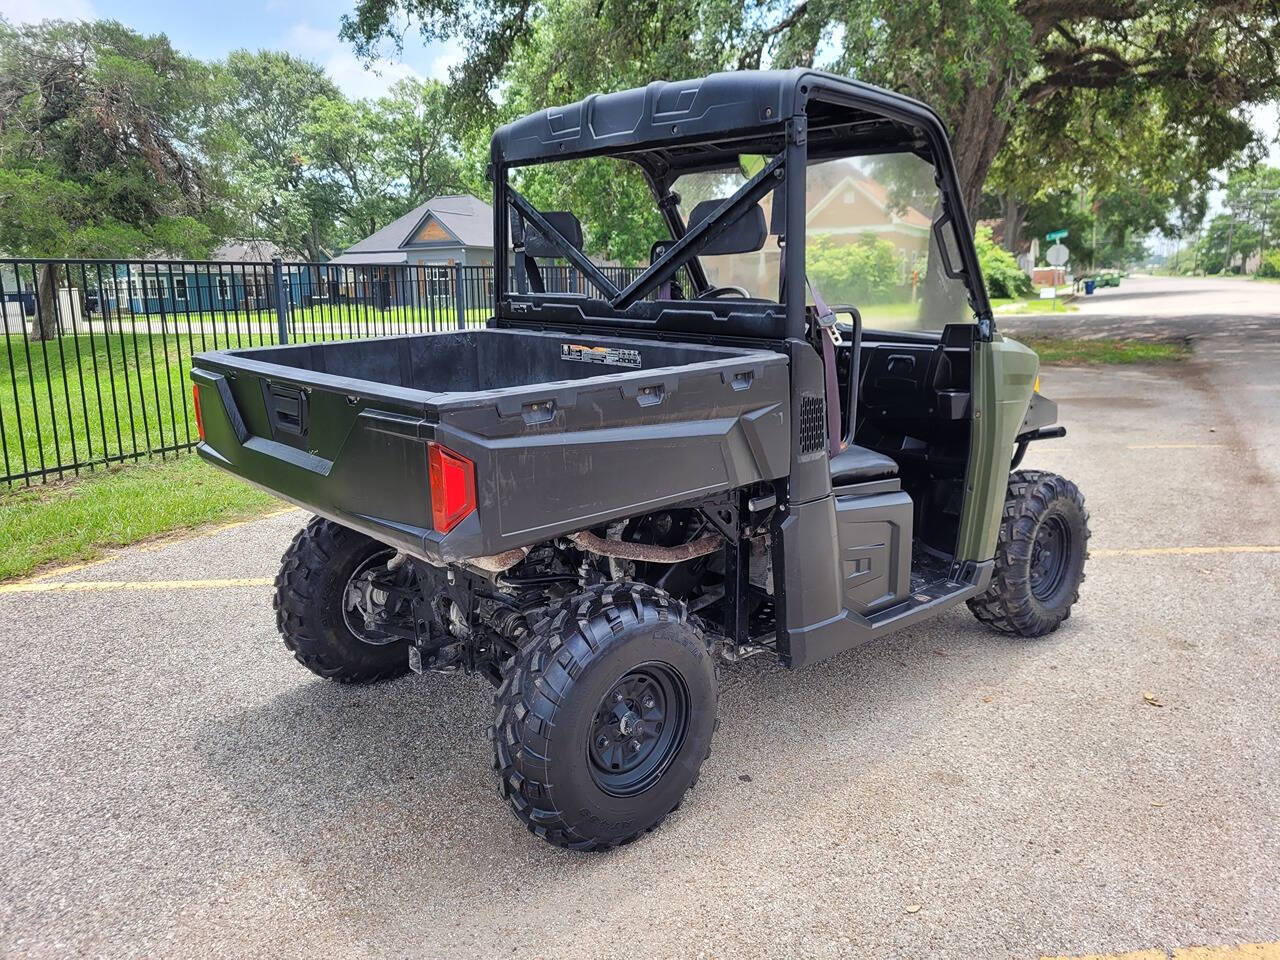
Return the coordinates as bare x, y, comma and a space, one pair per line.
459, 296
282, 309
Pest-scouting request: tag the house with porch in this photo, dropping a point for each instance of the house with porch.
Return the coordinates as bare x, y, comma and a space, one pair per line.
412, 260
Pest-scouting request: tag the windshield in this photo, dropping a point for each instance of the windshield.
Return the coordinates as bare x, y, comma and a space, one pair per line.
756, 271
871, 243
872, 226
869, 238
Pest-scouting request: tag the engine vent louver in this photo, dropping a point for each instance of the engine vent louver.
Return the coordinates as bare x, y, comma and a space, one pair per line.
813, 423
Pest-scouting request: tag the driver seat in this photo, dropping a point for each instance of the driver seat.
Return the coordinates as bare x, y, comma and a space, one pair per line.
856, 464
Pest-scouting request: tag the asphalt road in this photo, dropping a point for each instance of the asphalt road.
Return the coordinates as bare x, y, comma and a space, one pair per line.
174, 785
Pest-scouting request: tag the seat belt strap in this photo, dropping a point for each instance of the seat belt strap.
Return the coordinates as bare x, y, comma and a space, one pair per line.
826, 326
527, 275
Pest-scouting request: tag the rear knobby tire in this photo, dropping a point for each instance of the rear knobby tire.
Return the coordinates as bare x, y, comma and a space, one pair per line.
566, 762
310, 594
1040, 555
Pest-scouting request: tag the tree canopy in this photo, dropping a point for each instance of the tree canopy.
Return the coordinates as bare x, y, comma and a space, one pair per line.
318, 171
107, 145
1106, 117
1099, 94
114, 145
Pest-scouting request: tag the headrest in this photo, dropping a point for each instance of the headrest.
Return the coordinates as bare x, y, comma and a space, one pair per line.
747, 234
536, 245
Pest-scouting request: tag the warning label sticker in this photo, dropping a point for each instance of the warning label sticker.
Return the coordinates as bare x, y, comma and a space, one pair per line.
617, 356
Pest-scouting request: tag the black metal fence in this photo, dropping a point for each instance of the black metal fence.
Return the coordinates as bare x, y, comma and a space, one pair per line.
97, 352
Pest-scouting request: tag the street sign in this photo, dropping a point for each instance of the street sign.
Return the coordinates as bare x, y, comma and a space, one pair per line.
1057, 255
1056, 235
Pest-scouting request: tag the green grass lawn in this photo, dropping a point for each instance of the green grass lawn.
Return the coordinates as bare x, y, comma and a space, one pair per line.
904, 315
74, 521
103, 396
1072, 352
93, 397
1038, 306
326, 321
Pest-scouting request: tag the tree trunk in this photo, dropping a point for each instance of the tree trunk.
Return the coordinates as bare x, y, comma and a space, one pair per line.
45, 326
1012, 221
978, 135
979, 132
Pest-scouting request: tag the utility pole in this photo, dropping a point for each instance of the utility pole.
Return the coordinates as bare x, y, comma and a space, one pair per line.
1231, 232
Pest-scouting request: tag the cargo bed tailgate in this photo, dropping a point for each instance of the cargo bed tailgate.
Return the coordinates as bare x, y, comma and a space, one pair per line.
549, 457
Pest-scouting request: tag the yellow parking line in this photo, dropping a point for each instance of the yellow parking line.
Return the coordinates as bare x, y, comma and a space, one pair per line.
1243, 951
91, 586
1185, 551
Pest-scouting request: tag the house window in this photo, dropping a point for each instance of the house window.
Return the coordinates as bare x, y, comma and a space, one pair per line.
152, 286
224, 289
180, 289
441, 283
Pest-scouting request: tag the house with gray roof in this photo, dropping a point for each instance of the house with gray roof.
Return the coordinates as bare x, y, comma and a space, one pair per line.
443, 231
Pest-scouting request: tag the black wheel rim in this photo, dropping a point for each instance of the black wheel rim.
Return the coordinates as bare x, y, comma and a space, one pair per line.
638, 729
1050, 554
361, 592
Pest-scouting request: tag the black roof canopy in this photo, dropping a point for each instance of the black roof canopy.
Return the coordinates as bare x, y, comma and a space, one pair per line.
795, 116
706, 123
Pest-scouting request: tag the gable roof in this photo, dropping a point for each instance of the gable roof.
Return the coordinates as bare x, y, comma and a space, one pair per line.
876, 192
469, 219
249, 250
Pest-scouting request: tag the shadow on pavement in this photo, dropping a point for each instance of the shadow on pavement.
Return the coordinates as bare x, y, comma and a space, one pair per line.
389, 774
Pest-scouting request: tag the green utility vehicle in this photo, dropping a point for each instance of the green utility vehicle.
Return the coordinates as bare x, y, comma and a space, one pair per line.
612, 487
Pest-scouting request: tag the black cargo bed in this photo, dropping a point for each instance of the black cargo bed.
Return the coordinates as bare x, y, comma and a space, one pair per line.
566, 430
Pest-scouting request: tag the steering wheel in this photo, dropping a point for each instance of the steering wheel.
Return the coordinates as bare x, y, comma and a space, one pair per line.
715, 293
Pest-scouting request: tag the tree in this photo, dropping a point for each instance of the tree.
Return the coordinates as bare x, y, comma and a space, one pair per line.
866, 271
105, 148
269, 105
987, 65
417, 145
374, 160
342, 164
1104, 141
1251, 223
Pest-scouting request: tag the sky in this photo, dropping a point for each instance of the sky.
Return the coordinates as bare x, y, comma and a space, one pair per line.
308, 28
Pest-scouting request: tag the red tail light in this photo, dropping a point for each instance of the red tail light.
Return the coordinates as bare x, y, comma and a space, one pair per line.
195, 396
453, 486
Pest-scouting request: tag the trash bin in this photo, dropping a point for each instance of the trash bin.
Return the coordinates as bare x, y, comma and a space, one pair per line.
1088, 287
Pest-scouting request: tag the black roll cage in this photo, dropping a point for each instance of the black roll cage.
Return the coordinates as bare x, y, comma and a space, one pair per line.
796, 117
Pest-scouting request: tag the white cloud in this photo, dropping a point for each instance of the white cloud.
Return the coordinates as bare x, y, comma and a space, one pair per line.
33, 11
352, 77
449, 56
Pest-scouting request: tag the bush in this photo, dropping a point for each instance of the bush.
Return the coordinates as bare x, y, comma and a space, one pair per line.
864, 271
1270, 266
999, 267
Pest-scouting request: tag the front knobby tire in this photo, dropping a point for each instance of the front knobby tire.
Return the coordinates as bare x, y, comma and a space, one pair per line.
604, 717
311, 606
1040, 555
